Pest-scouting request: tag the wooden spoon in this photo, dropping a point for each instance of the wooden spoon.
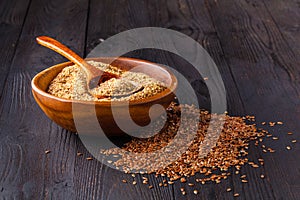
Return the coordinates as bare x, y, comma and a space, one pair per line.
95, 76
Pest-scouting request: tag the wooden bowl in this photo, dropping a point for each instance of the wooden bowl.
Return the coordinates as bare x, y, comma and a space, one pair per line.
60, 110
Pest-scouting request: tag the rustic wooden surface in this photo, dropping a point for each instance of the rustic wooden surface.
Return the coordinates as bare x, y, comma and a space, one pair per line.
255, 44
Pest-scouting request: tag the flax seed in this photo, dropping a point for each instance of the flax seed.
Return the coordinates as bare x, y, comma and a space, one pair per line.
236, 194
182, 180
47, 151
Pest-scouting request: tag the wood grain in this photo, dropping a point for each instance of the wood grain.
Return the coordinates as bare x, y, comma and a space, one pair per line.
37, 175
12, 17
266, 69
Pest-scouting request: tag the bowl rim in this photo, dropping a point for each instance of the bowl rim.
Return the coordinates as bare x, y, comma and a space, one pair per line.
166, 92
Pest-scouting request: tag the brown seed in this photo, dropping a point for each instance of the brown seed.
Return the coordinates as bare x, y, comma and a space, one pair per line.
263, 123
124, 181
290, 133
181, 189
275, 138
170, 182
160, 184
205, 78
262, 176
244, 181
294, 141
288, 147
89, 158
228, 189
236, 194
182, 180
79, 154
183, 193
243, 176
191, 184
150, 187
280, 123
195, 191
47, 151
134, 182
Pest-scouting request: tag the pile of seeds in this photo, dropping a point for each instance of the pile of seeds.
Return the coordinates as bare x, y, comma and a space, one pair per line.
230, 149
70, 83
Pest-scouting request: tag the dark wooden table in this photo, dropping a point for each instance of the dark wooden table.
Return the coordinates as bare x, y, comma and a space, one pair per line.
255, 45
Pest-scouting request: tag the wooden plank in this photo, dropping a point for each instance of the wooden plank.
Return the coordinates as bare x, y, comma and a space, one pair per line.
12, 15
26, 172
266, 70
190, 18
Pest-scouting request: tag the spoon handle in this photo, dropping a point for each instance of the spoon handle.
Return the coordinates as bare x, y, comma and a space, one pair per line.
60, 48
92, 72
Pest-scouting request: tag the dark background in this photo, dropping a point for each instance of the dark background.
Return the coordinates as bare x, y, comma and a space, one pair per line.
255, 45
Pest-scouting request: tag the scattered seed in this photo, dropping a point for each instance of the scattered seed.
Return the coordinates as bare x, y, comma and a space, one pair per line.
290, 133
230, 150
182, 180
262, 176
79, 154
294, 141
263, 123
275, 138
228, 189
89, 158
280, 123
181, 189
150, 186
134, 182
109, 161
205, 78
288, 147
236, 194
47, 151
195, 191
124, 181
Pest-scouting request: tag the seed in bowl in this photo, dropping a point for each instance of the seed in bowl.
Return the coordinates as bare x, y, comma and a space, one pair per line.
70, 83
